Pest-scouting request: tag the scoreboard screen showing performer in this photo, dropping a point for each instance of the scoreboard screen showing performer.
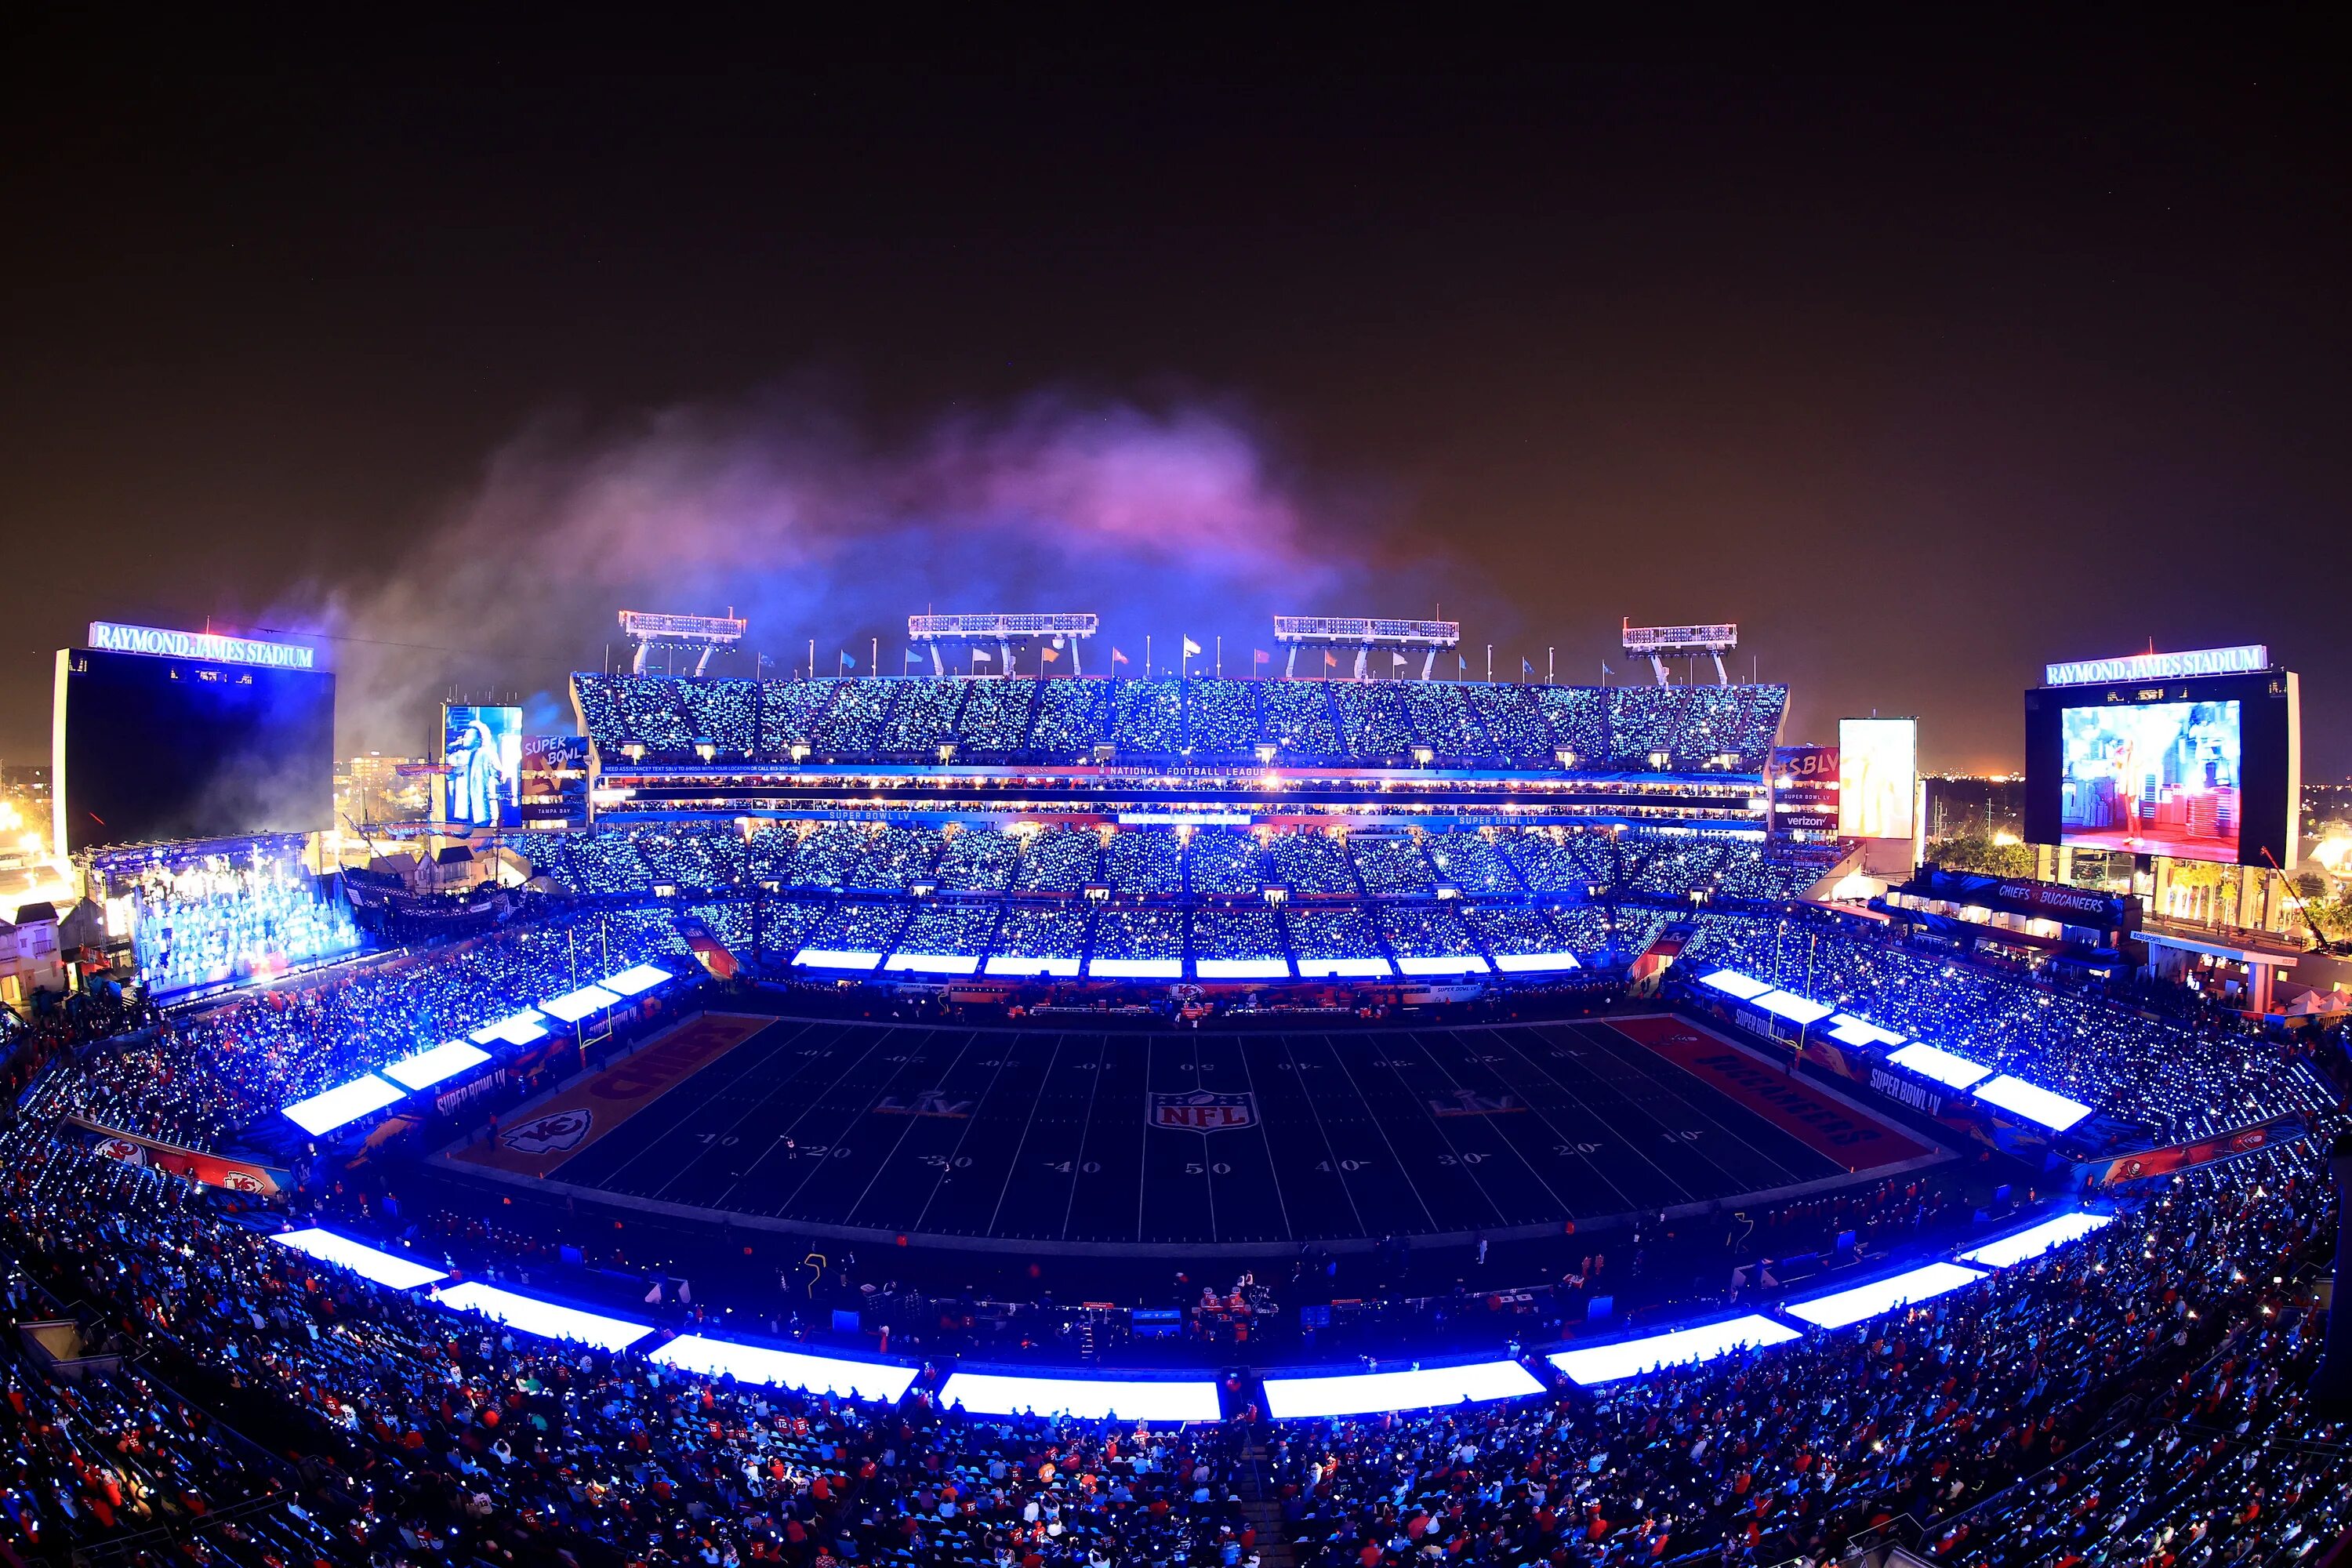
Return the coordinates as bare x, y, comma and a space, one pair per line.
150, 747
2196, 769
481, 748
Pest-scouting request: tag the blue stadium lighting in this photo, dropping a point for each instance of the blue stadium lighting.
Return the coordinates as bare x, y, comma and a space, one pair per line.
574, 1006
1344, 968
545, 1319
637, 981
2037, 1105
932, 963
1535, 963
1137, 968
1091, 1398
1678, 1347
1849, 1030
1243, 968
1185, 819
514, 1029
343, 1104
426, 1068
1443, 963
1370, 1393
836, 958
1846, 1307
1942, 1065
1007, 964
1790, 1005
1731, 983
371, 1263
2049, 1235
885, 1382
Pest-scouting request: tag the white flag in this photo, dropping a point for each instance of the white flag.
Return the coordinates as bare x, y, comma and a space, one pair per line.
1192, 648
1396, 660
982, 656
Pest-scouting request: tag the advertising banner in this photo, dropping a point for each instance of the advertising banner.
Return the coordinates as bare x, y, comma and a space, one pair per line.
206, 1170
2175, 1158
2091, 906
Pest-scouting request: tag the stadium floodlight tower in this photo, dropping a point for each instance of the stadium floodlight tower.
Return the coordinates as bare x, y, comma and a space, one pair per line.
704, 633
1363, 635
1001, 630
1659, 644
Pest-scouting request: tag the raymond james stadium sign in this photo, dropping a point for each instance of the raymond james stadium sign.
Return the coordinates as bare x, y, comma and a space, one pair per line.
115, 638
2252, 659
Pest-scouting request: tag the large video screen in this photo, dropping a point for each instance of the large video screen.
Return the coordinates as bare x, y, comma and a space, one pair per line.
2154, 778
152, 749
482, 749
1878, 775
2199, 769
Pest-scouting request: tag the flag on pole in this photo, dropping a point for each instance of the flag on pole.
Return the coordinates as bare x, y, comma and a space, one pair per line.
1396, 661
1527, 669
913, 658
848, 660
1331, 660
1259, 656
1192, 648
1048, 655
1116, 657
1461, 664
982, 656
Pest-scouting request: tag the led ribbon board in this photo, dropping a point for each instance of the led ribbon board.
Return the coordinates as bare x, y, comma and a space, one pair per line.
1243, 968
1091, 1398
1680, 1347
2049, 1235
343, 1104
1848, 1030
1136, 968
426, 1068
885, 1382
1007, 964
836, 958
514, 1029
932, 963
1535, 963
1845, 1307
1360, 1394
1788, 1004
372, 1264
1443, 963
545, 1319
1343, 968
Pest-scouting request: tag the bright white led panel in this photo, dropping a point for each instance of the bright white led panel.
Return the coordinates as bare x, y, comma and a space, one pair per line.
786, 1369
1443, 963
346, 1103
545, 1319
1367, 1393
426, 1068
1680, 1347
2034, 1242
932, 963
836, 958
1242, 968
1731, 983
2036, 1104
1006, 963
1535, 962
1931, 1062
574, 1006
637, 981
1344, 968
514, 1029
1844, 1307
1093, 1398
1137, 968
387, 1268
1847, 1029
1795, 1008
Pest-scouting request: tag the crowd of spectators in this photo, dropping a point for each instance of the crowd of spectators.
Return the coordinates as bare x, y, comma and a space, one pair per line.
1461, 723
215, 924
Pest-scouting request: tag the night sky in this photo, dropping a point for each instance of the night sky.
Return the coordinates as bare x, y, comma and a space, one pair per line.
1924, 360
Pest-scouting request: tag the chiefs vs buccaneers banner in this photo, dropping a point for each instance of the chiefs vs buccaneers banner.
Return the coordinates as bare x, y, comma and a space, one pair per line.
206, 1170
2179, 1157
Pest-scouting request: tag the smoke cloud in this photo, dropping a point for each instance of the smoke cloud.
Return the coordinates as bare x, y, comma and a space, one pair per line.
1179, 520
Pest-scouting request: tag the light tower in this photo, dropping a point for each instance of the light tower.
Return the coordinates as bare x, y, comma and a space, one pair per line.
705, 633
1659, 644
1003, 630
1363, 635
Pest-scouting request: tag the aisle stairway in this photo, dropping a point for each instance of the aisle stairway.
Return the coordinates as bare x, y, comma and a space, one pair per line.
1262, 1509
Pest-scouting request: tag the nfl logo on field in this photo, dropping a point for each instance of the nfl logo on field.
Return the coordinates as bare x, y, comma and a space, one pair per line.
1202, 1110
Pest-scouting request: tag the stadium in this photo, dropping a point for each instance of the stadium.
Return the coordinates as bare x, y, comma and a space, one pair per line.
1335, 1114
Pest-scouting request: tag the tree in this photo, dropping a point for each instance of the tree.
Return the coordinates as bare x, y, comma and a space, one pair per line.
1970, 849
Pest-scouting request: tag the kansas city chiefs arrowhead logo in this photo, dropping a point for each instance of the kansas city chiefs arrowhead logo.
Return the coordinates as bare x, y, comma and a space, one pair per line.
558, 1129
